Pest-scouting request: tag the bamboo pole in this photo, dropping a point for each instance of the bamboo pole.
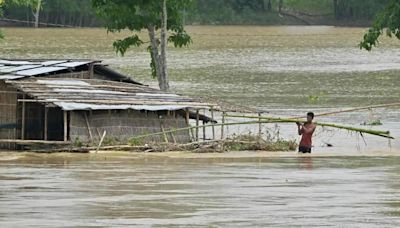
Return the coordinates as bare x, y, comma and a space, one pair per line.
259, 125
204, 131
46, 109
353, 109
164, 135
65, 126
187, 117
23, 120
197, 125
101, 140
385, 134
222, 125
212, 126
194, 127
88, 126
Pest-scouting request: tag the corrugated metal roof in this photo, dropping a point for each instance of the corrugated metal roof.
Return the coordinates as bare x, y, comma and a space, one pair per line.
39, 70
10, 77
15, 62
84, 94
18, 68
62, 82
21, 67
73, 64
52, 62
70, 106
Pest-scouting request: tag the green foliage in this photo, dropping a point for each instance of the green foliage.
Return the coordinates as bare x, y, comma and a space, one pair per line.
122, 45
1, 14
388, 19
138, 15
248, 141
135, 142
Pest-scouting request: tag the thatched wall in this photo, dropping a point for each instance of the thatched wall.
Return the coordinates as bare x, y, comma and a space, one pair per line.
8, 117
121, 125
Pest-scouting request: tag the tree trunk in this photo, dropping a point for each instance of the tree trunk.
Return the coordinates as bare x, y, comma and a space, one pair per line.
335, 9
154, 53
37, 13
280, 6
164, 73
269, 5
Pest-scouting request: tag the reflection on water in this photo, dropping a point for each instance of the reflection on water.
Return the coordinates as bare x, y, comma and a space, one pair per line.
118, 190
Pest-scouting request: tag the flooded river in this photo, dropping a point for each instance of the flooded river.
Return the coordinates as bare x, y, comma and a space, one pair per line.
174, 190
283, 70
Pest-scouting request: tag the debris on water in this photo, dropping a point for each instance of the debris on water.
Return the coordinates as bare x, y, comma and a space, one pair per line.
376, 122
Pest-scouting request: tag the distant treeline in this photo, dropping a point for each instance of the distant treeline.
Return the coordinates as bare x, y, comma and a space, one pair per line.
80, 13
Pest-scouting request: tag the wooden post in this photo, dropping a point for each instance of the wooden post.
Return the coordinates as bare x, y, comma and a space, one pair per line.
197, 125
91, 70
23, 120
222, 125
259, 126
65, 126
204, 130
187, 117
212, 124
46, 109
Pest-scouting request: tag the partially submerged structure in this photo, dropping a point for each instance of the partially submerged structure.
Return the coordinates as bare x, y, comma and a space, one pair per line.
79, 101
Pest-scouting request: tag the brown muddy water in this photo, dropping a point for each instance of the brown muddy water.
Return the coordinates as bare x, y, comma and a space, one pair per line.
283, 70
137, 190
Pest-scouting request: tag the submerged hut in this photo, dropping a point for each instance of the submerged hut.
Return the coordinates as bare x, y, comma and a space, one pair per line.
78, 101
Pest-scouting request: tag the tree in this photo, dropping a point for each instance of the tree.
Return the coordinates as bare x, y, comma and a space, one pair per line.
1, 14
150, 15
34, 5
388, 20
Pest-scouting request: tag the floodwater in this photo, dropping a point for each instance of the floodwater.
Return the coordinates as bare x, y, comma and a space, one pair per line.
119, 190
283, 70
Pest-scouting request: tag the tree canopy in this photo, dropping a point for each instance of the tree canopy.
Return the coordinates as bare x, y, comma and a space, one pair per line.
387, 22
263, 12
150, 15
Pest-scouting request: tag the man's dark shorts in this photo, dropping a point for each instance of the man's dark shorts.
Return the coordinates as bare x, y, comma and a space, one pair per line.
303, 149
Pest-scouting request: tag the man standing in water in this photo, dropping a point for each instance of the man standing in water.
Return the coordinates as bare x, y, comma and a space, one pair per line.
306, 131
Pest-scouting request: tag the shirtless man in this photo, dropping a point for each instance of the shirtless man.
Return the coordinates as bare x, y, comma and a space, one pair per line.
306, 131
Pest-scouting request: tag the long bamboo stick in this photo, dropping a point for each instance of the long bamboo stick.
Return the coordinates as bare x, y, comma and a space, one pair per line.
385, 134
352, 110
